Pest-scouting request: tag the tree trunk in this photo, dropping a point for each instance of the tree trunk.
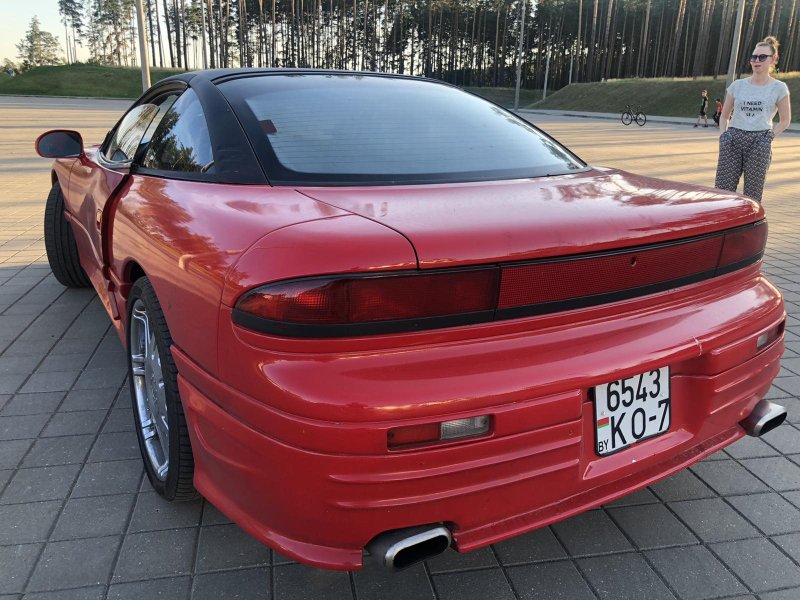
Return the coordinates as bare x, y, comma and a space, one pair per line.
177, 27
791, 34
497, 45
747, 40
702, 35
169, 35
66, 42
686, 50
226, 32
609, 41
401, 41
643, 43
152, 36
659, 49
590, 75
723, 37
620, 61
577, 65
210, 29
183, 21
631, 52
772, 16
672, 60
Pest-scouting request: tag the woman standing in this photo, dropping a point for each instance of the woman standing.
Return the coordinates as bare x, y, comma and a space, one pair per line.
745, 144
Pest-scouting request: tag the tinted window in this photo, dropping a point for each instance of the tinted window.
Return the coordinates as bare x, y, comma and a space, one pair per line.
181, 141
164, 104
341, 128
126, 138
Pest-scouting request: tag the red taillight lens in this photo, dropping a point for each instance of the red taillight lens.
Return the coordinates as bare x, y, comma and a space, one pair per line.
369, 299
367, 304
594, 275
742, 245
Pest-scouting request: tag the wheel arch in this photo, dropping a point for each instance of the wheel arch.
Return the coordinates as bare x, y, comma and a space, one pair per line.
133, 271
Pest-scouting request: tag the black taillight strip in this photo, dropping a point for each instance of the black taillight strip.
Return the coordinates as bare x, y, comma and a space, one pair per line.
307, 330
738, 265
543, 308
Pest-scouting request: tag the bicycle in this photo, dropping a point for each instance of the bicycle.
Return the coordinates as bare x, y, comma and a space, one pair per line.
633, 113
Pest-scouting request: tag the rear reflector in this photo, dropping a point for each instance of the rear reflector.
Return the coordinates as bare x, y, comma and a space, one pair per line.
429, 433
370, 304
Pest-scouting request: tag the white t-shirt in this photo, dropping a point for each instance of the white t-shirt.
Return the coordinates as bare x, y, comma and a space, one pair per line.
755, 104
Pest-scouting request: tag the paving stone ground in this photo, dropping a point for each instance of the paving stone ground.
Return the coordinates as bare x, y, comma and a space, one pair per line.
78, 520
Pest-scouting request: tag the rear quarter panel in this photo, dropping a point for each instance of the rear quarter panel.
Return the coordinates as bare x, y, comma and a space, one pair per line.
185, 236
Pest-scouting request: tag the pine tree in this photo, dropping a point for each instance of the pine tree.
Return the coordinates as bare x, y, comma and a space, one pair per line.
110, 31
72, 18
38, 47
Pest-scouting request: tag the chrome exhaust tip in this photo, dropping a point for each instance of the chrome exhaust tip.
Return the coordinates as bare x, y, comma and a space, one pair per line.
398, 549
765, 417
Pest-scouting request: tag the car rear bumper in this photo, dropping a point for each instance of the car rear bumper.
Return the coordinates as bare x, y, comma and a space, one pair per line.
296, 453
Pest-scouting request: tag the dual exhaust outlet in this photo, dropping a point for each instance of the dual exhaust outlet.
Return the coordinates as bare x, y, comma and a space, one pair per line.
401, 548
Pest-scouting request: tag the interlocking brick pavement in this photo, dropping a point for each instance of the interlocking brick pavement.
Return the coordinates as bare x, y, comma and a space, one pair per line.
78, 520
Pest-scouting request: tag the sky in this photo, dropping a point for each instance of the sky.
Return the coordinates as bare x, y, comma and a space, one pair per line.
15, 17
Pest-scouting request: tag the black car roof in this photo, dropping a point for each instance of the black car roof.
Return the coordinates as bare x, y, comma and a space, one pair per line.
234, 158
216, 75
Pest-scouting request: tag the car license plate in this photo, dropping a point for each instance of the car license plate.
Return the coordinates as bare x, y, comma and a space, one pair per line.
630, 410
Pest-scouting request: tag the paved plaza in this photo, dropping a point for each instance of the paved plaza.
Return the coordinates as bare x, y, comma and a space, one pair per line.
78, 519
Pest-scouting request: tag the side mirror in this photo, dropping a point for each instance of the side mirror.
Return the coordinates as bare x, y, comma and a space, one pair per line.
59, 143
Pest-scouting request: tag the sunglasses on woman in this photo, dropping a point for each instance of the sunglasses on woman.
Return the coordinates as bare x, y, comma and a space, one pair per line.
759, 57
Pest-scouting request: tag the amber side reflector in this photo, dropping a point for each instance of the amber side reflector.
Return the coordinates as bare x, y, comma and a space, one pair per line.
413, 435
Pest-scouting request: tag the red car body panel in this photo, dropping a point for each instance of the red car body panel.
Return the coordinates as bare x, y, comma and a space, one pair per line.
528, 219
290, 435
302, 463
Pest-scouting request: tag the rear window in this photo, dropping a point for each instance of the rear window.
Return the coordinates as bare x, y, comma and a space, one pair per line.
342, 129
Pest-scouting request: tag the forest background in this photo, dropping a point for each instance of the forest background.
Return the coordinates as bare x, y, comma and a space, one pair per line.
465, 42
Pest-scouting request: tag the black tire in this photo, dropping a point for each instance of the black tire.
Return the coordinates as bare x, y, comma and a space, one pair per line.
626, 118
59, 242
641, 119
177, 483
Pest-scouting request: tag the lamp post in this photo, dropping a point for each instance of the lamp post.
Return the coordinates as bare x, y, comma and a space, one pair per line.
737, 34
203, 32
546, 73
519, 54
142, 46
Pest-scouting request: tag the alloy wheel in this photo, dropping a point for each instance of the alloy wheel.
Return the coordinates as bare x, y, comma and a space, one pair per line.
149, 390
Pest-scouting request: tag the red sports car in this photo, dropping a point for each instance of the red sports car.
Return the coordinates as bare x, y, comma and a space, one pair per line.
377, 315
